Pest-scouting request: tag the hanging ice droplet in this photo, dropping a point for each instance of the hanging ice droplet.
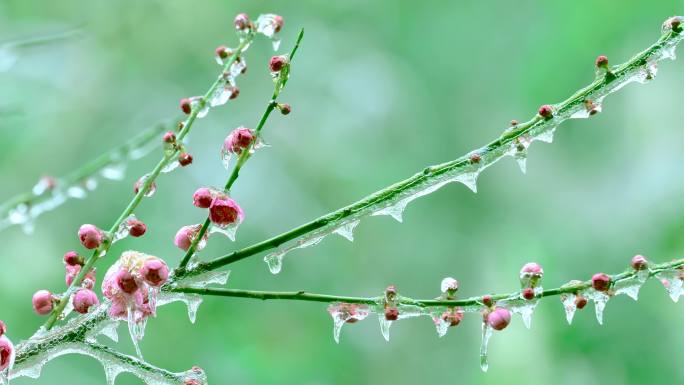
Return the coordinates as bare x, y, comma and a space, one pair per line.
347, 230
141, 183
395, 211
600, 300
238, 67
221, 95
136, 329
346, 313
229, 231
226, 156
111, 372
545, 135
114, 171
647, 73
631, 286
205, 279
486, 335
76, 191
124, 229
195, 104
275, 261
385, 325
171, 166
469, 179
672, 280
191, 301
570, 306
441, 323
525, 308
521, 158
269, 25
668, 52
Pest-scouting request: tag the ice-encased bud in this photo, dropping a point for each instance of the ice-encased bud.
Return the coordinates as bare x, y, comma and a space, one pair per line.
90, 236
238, 140
185, 236
140, 183
184, 159
391, 313
277, 63
449, 287
601, 62
125, 281
242, 22
600, 282
186, 105
73, 270
43, 302
224, 211
499, 318
639, 262
531, 274
84, 299
453, 317
202, 198
6, 353
673, 24
546, 111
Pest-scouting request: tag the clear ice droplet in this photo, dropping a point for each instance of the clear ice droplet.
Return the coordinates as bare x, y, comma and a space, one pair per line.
343, 313
385, 325
486, 335
274, 262
631, 286
395, 211
672, 280
115, 171
600, 300
171, 166
469, 179
569, 306
347, 230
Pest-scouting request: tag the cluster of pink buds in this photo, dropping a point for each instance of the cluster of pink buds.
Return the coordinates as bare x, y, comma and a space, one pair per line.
131, 284
494, 316
451, 316
530, 280
73, 262
223, 211
6, 349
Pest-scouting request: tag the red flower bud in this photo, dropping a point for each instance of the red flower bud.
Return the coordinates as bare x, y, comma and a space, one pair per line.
600, 282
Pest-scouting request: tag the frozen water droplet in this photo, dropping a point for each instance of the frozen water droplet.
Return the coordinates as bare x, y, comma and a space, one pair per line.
630, 286
395, 211
521, 159
269, 25
570, 306
274, 261
545, 135
668, 52
136, 329
90, 184
141, 183
672, 280
124, 229
346, 313
276, 44
229, 231
469, 179
226, 157
347, 230
115, 171
523, 307
205, 279
221, 95
192, 301
76, 191
486, 335
385, 326
237, 68
195, 104
171, 166
600, 300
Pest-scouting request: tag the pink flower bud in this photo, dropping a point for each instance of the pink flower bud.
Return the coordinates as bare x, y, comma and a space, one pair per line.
285, 108
600, 282
3, 328
185, 236
390, 293
6, 352
184, 159
277, 63
238, 140
242, 22
580, 302
546, 111
84, 299
224, 211
475, 157
673, 24
140, 183
42, 302
453, 317
532, 268
155, 272
234, 90
391, 313
639, 262
90, 236
222, 52
136, 228
126, 281
202, 198
186, 106
528, 293
169, 137
72, 271
514, 123
487, 300
499, 318
72, 258
602, 62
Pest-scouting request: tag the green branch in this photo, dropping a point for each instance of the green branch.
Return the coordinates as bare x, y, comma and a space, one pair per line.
638, 68
245, 154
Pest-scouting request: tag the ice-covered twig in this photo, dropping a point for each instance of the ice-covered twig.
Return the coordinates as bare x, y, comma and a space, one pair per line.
198, 107
51, 192
246, 153
513, 142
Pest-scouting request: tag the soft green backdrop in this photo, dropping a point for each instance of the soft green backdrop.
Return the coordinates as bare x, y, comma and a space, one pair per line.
379, 90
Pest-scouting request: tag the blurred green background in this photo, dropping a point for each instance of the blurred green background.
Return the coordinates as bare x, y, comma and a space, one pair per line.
379, 90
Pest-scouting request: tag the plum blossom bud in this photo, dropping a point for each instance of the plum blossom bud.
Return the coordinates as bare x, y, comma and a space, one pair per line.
186, 105
224, 211
72, 258
602, 62
390, 293
126, 281
84, 299
90, 236
3, 328
278, 23
6, 352
453, 317
42, 302
528, 293
140, 183
169, 137
546, 111
391, 313
499, 318
222, 52
284, 108
242, 21
72, 271
154, 271
235, 90
514, 123
673, 23
475, 157
136, 228
531, 274
202, 198
639, 262
238, 140
580, 301
487, 300
449, 286
277, 63
185, 236
600, 282
184, 159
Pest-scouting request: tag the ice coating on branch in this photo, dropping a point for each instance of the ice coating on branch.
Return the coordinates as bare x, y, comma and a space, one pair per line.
346, 313
274, 260
569, 305
140, 183
672, 280
124, 229
523, 307
270, 25
346, 230
600, 299
630, 286
404, 311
